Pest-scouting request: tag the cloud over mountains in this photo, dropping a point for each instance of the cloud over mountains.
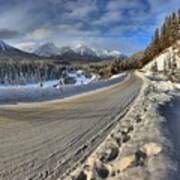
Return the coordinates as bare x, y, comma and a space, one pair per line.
124, 24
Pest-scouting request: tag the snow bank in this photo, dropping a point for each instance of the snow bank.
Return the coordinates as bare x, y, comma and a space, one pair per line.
118, 75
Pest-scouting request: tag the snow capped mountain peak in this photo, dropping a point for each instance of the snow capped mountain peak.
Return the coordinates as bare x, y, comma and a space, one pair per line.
107, 53
78, 46
66, 49
49, 44
84, 50
115, 53
4, 46
48, 49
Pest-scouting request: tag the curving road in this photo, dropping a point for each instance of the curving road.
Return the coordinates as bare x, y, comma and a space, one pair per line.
43, 140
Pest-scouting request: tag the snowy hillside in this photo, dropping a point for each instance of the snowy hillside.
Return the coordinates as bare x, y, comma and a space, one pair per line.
167, 63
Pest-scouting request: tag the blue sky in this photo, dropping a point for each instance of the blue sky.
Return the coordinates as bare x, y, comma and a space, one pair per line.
125, 25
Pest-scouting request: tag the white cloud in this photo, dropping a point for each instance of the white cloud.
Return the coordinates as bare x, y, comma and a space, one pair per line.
80, 9
87, 21
13, 19
108, 17
114, 11
75, 30
17, 17
123, 4
40, 34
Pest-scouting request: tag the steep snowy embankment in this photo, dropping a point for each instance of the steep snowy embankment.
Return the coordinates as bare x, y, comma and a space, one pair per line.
166, 64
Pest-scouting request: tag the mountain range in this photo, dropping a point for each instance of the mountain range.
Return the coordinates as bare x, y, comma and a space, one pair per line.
50, 49
66, 53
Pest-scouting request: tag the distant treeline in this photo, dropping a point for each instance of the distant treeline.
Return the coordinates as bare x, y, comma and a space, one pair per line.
23, 72
163, 38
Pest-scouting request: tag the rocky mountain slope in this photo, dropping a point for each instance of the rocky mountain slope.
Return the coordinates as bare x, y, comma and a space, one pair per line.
65, 55
84, 50
47, 50
5, 47
10, 52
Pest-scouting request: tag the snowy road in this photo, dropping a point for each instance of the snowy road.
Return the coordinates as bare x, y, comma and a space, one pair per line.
42, 140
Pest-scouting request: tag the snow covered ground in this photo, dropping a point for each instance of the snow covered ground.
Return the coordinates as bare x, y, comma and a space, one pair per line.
49, 83
78, 76
168, 60
139, 147
171, 113
34, 93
